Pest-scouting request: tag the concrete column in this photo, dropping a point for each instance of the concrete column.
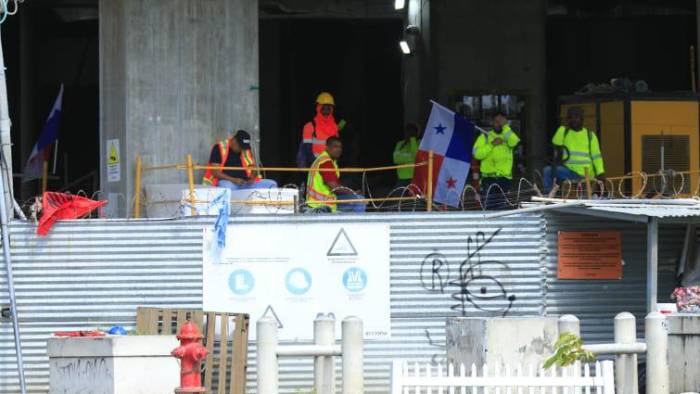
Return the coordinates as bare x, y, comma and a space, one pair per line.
656, 337
324, 366
175, 76
501, 54
268, 368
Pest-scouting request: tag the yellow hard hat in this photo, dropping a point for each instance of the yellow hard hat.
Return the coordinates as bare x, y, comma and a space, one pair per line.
325, 98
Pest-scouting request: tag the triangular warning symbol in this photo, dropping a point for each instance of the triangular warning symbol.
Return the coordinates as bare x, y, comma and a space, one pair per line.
271, 312
342, 246
113, 155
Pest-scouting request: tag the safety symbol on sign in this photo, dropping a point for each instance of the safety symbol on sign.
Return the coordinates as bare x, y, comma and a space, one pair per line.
355, 279
113, 154
342, 246
298, 281
241, 282
271, 312
114, 170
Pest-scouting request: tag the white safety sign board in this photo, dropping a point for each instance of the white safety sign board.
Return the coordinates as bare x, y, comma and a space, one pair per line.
114, 169
294, 272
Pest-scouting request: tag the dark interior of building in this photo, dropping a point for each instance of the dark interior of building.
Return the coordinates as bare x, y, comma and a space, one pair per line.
358, 60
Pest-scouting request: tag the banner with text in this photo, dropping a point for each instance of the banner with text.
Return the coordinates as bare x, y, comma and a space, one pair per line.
293, 272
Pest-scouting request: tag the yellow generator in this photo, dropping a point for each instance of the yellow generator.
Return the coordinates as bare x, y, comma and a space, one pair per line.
645, 133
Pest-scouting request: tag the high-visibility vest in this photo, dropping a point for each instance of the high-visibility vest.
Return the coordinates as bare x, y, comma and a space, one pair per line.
582, 151
317, 192
496, 161
405, 153
247, 161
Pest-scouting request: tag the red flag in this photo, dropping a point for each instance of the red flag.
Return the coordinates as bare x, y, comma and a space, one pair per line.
57, 206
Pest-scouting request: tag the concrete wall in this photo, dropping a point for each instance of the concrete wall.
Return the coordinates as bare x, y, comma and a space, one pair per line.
175, 76
493, 47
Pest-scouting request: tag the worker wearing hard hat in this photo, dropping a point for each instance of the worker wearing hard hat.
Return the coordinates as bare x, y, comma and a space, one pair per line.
318, 130
495, 151
580, 152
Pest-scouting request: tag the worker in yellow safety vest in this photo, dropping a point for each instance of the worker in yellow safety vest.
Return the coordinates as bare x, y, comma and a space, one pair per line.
234, 151
495, 151
323, 185
405, 153
580, 154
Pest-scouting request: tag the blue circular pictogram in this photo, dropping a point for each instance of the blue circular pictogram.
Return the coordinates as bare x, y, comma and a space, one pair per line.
298, 281
241, 282
355, 279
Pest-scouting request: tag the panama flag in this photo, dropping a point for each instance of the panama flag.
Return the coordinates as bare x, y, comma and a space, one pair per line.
450, 136
42, 149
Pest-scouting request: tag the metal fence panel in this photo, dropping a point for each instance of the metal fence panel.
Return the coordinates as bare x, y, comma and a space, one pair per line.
596, 302
94, 273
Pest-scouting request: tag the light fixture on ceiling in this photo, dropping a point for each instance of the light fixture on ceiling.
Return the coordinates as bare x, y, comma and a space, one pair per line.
405, 48
399, 4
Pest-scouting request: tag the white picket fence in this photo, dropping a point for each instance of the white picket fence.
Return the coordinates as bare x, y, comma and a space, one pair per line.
409, 378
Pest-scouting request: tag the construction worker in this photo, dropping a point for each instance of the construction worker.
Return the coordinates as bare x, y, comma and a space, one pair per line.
405, 153
580, 152
234, 152
317, 131
324, 187
495, 151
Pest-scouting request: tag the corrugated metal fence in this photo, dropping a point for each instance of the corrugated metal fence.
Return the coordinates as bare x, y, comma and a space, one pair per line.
94, 273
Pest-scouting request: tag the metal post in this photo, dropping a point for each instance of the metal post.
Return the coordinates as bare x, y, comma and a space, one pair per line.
324, 366
429, 186
652, 263
137, 187
268, 382
569, 323
190, 181
10, 280
353, 354
656, 336
626, 364
589, 193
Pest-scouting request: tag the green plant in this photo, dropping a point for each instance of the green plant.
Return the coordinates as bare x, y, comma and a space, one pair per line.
567, 350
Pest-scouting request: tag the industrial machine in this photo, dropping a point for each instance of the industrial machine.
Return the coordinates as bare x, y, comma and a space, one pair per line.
648, 133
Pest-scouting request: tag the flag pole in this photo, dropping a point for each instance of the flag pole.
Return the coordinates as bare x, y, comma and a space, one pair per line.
45, 177
55, 156
429, 194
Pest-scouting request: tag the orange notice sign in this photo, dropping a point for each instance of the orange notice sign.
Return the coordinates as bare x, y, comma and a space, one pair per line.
589, 255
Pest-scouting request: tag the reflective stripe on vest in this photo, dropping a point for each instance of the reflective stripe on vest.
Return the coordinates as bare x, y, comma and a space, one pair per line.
209, 178
317, 192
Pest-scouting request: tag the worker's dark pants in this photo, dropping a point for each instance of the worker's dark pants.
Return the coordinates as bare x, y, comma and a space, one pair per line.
494, 192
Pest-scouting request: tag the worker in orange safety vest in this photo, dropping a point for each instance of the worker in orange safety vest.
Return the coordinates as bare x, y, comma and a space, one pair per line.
318, 130
234, 152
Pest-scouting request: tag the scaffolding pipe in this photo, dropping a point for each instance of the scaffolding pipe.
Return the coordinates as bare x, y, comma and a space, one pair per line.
7, 201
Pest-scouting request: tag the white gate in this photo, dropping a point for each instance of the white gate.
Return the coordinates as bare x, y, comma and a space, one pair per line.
424, 378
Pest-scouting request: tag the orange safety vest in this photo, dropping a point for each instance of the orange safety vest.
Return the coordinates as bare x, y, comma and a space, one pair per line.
246, 159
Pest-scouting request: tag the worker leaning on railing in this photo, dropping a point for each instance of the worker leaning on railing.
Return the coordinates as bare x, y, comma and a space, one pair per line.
581, 152
323, 188
405, 153
235, 152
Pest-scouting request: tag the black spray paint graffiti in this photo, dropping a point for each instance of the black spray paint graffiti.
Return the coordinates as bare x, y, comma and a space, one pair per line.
478, 284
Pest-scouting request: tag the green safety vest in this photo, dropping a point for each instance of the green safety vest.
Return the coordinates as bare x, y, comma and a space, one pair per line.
496, 160
405, 153
583, 151
317, 192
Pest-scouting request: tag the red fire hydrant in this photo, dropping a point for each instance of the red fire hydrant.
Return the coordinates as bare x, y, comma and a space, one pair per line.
191, 353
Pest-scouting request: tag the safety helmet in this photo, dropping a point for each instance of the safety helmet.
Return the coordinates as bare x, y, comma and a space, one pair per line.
325, 98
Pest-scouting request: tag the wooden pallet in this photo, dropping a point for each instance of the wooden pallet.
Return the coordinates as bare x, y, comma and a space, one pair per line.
233, 347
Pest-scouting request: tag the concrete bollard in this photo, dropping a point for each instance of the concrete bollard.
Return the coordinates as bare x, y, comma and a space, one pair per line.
656, 336
324, 366
267, 342
569, 323
626, 364
353, 355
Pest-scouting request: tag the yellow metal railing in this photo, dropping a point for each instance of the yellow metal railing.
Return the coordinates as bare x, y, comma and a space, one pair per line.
190, 167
